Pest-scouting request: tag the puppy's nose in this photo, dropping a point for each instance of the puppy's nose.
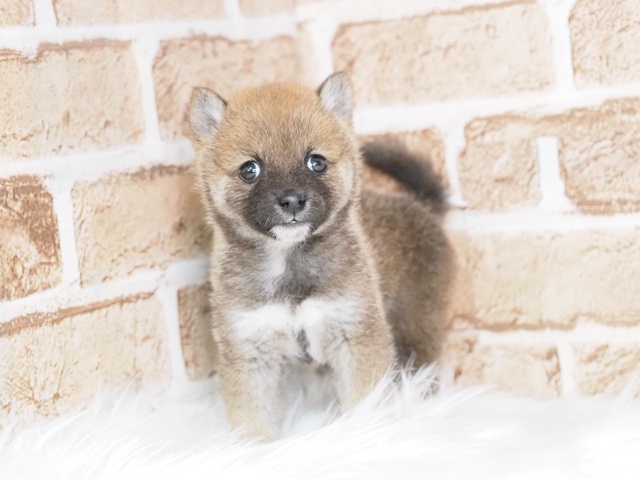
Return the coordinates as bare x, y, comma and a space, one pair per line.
292, 202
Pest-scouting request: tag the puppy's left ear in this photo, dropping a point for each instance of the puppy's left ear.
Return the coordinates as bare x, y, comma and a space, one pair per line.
336, 93
206, 111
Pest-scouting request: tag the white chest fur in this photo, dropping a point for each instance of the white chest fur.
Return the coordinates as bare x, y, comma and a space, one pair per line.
279, 327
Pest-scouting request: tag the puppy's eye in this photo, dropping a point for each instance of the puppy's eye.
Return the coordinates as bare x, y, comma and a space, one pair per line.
250, 171
316, 163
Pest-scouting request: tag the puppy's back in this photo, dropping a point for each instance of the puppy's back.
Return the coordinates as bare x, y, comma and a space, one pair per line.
413, 255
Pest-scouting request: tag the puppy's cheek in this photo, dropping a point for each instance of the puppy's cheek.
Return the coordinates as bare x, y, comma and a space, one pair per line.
218, 193
321, 212
236, 204
346, 177
317, 214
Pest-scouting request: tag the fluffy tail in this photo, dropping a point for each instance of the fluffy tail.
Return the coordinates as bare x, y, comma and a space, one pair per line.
391, 156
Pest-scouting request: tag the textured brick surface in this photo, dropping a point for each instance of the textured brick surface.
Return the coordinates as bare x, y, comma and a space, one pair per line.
534, 281
219, 64
591, 277
74, 96
195, 330
604, 37
16, 12
132, 221
29, 244
498, 169
599, 156
523, 368
501, 281
260, 7
598, 152
50, 363
473, 52
69, 12
605, 368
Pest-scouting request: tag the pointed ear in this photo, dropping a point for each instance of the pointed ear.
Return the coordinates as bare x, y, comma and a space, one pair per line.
336, 93
206, 110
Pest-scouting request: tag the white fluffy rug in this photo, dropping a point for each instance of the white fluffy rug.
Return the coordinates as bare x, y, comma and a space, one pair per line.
455, 434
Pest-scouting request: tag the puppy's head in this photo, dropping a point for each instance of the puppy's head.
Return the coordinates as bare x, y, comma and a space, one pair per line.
277, 161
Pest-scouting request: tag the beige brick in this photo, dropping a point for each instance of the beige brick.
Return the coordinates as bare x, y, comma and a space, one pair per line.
461, 54
547, 280
606, 368
529, 369
498, 168
599, 148
134, 221
73, 12
198, 348
219, 64
16, 12
501, 281
262, 7
70, 97
599, 154
591, 276
604, 38
30, 247
51, 363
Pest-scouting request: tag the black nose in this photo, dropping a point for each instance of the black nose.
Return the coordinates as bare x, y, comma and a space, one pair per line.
292, 202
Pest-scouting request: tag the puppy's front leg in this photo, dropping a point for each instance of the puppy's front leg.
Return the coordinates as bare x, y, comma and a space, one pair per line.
251, 387
361, 358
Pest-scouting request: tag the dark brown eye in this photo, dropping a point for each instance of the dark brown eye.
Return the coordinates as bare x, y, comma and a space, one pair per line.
250, 171
316, 163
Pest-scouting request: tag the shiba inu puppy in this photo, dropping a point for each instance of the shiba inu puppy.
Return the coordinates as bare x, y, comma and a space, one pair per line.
307, 266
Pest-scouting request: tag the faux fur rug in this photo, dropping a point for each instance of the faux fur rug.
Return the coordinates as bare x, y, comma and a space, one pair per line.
454, 434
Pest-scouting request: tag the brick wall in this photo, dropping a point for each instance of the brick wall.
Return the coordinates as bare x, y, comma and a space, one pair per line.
531, 111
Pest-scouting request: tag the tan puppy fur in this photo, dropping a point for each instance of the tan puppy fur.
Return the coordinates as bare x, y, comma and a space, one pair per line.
308, 269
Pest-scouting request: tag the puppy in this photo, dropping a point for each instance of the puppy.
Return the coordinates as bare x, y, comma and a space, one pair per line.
307, 266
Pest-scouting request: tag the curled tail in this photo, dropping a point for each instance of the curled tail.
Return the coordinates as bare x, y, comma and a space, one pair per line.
391, 156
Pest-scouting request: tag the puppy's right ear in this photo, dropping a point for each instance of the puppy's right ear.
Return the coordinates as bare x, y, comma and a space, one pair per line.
206, 111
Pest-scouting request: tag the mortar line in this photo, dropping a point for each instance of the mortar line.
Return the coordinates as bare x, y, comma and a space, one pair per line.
558, 15
179, 274
454, 144
359, 11
527, 221
320, 32
232, 11
550, 179
566, 362
44, 13
145, 48
63, 208
419, 115
168, 298
93, 165
27, 39
587, 332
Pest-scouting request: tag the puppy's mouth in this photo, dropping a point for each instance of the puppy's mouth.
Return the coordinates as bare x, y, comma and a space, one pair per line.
291, 232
